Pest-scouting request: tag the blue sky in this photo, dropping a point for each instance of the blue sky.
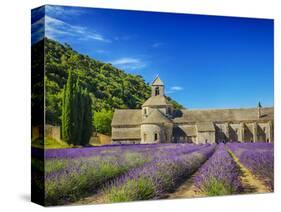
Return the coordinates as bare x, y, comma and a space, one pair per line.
204, 61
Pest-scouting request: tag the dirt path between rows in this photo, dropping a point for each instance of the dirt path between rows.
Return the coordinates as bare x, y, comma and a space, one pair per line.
186, 190
94, 199
249, 182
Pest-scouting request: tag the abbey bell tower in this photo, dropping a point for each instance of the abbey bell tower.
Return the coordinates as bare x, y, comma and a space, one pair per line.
157, 87
157, 100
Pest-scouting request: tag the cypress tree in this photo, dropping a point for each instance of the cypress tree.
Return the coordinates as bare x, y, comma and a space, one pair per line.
77, 124
63, 135
75, 111
87, 118
79, 112
67, 113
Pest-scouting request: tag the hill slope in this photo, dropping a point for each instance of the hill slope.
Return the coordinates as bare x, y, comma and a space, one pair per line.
109, 86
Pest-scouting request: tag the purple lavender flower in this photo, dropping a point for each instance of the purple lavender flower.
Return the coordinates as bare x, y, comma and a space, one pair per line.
157, 177
258, 157
219, 175
69, 177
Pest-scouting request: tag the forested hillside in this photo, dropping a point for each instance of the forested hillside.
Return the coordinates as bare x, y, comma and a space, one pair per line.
109, 87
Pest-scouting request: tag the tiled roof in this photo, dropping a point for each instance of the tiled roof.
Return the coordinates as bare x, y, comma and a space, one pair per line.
156, 117
157, 81
126, 117
223, 115
156, 101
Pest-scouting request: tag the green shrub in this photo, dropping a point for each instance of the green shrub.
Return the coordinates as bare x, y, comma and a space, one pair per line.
216, 188
84, 177
135, 189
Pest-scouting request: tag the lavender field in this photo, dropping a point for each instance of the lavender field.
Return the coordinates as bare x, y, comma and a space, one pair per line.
117, 173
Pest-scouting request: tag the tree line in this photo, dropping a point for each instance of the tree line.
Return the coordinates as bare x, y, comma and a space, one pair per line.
105, 86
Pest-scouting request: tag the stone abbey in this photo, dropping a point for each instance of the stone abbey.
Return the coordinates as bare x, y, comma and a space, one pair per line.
159, 122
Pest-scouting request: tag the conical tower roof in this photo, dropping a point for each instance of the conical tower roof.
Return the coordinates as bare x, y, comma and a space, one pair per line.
156, 101
157, 81
156, 117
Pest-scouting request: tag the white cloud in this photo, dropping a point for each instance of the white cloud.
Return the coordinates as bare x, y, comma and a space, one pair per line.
128, 63
176, 88
169, 92
37, 29
55, 28
58, 11
125, 60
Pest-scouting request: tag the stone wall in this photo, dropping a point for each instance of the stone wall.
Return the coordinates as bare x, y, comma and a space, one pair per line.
131, 141
184, 139
263, 132
224, 132
148, 132
248, 133
244, 132
154, 133
52, 132
100, 139
206, 137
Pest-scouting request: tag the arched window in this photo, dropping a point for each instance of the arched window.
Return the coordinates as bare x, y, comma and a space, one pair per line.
144, 137
145, 111
169, 110
155, 136
156, 91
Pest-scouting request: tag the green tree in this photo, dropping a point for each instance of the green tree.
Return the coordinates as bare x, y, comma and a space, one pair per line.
87, 122
108, 86
67, 111
77, 124
102, 121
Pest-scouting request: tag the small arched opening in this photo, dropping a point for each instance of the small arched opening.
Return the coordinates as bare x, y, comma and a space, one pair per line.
155, 136
157, 91
169, 111
145, 111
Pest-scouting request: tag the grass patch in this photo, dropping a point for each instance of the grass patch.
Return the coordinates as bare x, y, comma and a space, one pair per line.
216, 188
135, 189
80, 178
49, 143
55, 165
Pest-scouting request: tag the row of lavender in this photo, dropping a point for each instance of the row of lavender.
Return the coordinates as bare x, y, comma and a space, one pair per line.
139, 172
157, 178
219, 175
257, 157
71, 174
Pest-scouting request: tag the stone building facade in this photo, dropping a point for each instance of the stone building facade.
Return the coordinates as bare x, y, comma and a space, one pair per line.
159, 122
